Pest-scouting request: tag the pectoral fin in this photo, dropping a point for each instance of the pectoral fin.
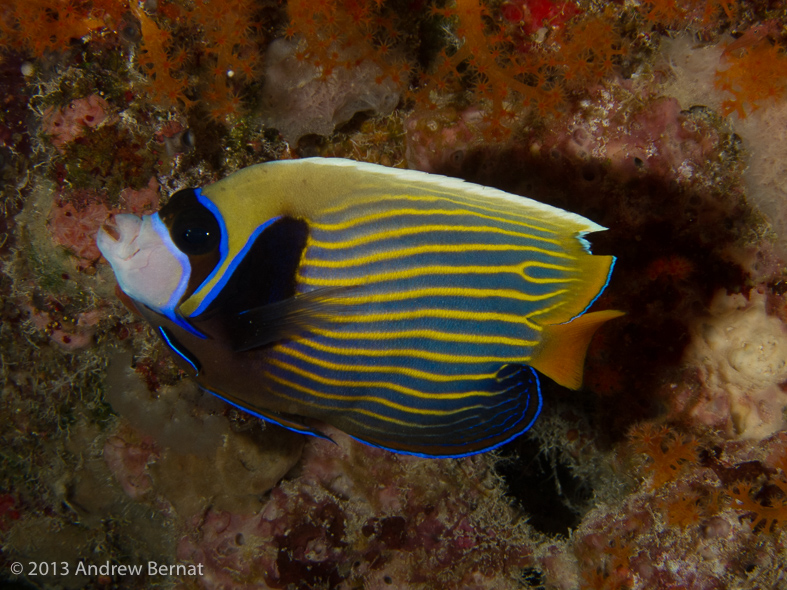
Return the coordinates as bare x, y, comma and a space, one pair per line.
264, 325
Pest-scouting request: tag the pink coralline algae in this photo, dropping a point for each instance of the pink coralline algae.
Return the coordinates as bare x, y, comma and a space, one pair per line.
75, 218
69, 337
75, 228
140, 202
67, 123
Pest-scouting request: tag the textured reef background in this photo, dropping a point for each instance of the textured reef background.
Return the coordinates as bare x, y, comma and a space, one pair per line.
665, 121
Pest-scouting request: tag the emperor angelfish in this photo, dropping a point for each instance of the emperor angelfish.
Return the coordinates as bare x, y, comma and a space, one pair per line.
407, 309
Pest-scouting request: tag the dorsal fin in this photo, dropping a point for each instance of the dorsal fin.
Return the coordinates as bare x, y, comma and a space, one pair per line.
561, 354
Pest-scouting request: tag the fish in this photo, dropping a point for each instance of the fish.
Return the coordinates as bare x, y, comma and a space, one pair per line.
414, 312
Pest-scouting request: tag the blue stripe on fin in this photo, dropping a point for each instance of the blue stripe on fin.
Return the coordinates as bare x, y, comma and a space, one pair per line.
276, 419
183, 352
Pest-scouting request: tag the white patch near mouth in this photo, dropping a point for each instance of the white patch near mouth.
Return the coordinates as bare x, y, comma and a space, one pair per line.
148, 266
113, 248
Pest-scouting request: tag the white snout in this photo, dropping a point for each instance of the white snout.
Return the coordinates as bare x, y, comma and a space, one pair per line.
148, 266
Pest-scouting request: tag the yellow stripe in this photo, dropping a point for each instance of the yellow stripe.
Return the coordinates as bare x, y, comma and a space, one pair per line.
406, 371
446, 292
426, 334
545, 310
537, 264
382, 384
413, 353
375, 217
407, 231
468, 201
430, 249
453, 314
418, 271
385, 402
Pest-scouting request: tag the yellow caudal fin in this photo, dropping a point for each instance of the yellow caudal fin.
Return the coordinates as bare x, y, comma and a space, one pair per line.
561, 354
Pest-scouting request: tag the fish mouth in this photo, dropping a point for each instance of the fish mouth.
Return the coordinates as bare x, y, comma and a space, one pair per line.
111, 229
117, 237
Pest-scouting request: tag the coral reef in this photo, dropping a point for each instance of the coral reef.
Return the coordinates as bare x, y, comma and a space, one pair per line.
662, 121
355, 515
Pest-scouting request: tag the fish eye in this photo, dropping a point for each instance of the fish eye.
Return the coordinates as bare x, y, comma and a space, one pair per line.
193, 228
196, 237
195, 231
